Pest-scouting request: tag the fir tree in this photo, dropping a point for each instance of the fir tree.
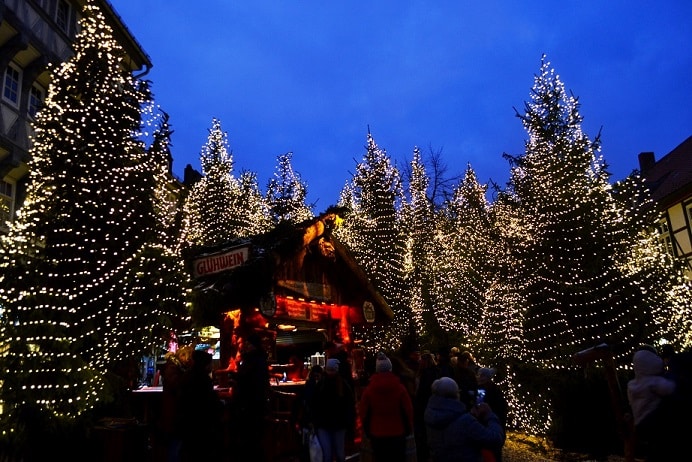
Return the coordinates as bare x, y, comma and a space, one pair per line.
348, 233
169, 289
75, 263
417, 217
576, 292
286, 194
376, 191
501, 327
465, 261
249, 210
208, 206
222, 207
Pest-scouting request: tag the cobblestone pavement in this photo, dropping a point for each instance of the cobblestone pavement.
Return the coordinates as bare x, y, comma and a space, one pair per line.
521, 449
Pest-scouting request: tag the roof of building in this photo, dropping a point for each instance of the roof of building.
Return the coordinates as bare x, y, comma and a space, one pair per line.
286, 244
137, 58
670, 178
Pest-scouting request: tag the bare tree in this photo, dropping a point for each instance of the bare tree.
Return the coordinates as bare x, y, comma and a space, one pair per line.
441, 183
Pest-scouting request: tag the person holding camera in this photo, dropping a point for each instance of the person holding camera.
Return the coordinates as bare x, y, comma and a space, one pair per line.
465, 376
494, 396
455, 432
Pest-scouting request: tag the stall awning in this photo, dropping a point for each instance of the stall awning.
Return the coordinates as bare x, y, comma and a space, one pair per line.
300, 337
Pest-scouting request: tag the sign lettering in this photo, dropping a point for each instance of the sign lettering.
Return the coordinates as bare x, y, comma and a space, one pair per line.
217, 263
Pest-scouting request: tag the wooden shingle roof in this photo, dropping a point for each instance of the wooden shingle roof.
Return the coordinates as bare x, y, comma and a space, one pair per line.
670, 178
287, 244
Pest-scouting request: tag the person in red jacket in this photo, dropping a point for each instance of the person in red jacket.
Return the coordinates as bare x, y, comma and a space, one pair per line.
387, 413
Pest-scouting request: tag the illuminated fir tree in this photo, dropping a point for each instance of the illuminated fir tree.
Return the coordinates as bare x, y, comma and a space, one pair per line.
501, 328
208, 206
222, 207
376, 191
466, 253
576, 293
287, 193
249, 210
417, 217
78, 261
167, 292
348, 232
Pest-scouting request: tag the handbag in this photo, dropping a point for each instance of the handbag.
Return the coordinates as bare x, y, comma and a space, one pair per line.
315, 448
411, 452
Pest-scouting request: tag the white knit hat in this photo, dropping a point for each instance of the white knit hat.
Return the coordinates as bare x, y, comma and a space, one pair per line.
383, 364
445, 387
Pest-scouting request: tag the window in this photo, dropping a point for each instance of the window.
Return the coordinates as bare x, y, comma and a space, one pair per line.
36, 96
662, 226
62, 16
6, 202
10, 91
664, 235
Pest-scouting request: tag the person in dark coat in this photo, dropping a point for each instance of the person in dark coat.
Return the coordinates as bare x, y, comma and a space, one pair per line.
174, 370
345, 369
494, 396
250, 398
676, 408
444, 365
333, 412
301, 413
201, 411
455, 433
427, 374
645, 392
465, 376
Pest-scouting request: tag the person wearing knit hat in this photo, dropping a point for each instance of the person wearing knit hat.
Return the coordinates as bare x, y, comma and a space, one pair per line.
383, 364
645, 393
445, 387
332, 365
387, 412
455, 432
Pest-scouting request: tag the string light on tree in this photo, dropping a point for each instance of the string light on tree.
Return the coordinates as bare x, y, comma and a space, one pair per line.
79, 267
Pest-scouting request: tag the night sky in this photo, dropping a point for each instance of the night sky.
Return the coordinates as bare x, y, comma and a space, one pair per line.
311, 77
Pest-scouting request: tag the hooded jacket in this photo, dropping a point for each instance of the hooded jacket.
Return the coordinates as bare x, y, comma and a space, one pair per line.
455, 435
648, 387
386, 407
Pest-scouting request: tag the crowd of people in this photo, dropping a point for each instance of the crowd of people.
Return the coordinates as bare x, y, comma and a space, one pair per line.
405, 406
413, 406
425, 407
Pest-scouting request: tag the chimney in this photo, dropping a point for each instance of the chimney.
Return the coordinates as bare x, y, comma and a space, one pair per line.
190, 176
646, 161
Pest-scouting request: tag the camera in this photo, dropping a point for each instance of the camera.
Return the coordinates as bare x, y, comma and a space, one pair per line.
480, 396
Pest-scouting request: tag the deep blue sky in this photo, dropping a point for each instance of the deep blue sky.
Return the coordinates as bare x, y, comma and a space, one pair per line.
310, 77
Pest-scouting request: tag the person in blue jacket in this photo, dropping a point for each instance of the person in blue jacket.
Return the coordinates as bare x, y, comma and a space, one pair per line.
455, 433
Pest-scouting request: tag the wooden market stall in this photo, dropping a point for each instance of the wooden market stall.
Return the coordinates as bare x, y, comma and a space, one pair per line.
296, 286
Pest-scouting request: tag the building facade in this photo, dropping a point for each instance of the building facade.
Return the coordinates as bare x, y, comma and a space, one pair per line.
34, 35
670, 181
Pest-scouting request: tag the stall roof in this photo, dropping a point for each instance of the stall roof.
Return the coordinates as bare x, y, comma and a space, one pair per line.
242, 286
